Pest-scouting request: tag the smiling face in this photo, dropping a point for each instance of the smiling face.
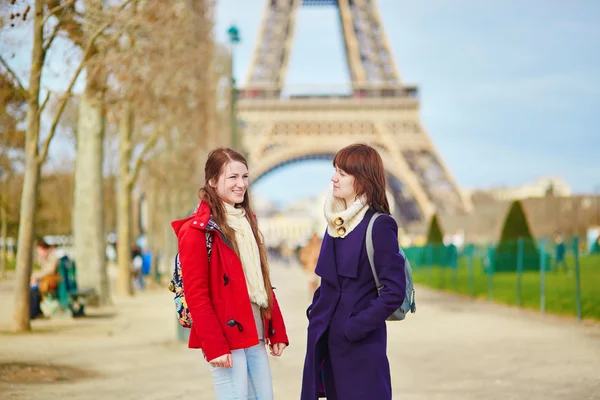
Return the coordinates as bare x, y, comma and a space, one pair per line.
343, 186
232, 183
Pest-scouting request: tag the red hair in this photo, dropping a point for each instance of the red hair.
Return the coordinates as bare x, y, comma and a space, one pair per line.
216, 163
364, 163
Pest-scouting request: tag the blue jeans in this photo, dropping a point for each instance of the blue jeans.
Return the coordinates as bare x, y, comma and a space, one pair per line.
250, 377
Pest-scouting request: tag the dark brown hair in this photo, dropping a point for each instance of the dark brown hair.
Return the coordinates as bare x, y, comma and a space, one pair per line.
41, 243
217, 161
364, 163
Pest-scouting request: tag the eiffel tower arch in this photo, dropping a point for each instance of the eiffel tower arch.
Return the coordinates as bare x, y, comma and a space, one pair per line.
379, 110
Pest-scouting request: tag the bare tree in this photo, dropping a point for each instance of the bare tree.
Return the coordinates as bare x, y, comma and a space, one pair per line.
49, 18
167, 98
35, 156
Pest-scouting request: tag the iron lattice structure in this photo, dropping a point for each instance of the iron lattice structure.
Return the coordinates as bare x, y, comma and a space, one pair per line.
378, 109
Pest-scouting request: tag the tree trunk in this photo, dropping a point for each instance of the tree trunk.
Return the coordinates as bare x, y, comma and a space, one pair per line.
3, 234
88, 204
4, 216
31, 179
124, 220
88, 210
25, 244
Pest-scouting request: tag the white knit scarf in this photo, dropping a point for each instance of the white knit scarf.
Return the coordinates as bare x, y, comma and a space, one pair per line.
249, 254
350, 216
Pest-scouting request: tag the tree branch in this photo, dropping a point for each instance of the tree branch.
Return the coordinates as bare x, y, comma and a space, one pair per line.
41, 109
14, 76
84, 58
57, 9
140, 160
54, 32
73, 28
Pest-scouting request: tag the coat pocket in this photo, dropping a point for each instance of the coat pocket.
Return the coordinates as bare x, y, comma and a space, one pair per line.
354, 331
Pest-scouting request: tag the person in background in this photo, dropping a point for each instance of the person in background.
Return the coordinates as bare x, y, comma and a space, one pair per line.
137, 262
309, 255
596, 246
45, 280
561, 251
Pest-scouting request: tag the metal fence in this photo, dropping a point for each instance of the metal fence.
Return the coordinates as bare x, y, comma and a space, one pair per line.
552, 277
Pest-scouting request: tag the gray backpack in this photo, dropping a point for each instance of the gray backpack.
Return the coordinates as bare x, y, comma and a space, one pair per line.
409, 300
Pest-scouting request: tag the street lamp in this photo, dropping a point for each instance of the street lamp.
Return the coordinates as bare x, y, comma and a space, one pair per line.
234, 38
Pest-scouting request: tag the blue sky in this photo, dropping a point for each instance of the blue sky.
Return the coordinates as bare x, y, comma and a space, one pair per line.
510, 90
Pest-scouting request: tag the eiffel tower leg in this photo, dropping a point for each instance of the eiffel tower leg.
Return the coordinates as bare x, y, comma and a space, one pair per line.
377, 65
270, 57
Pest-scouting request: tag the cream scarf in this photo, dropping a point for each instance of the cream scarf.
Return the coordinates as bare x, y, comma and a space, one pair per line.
249, 254
341, 220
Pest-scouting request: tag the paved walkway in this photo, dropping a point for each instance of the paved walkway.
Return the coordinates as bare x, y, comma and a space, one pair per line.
451, 349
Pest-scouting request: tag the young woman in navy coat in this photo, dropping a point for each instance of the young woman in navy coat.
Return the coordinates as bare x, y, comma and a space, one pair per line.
346, 344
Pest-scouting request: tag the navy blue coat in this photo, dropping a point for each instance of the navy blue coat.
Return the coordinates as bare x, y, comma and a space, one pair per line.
347, 327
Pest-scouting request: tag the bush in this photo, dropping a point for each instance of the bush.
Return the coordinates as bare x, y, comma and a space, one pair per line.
435, 235
516, 227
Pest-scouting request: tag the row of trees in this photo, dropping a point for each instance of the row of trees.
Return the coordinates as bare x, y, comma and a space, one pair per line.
146, 78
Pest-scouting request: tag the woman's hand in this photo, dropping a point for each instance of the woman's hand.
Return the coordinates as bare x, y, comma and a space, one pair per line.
223, 361
277, 349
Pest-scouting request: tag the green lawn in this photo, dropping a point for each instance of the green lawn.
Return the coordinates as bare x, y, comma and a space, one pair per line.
560, 287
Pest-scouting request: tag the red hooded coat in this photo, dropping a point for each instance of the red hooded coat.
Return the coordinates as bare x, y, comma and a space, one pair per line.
216, 292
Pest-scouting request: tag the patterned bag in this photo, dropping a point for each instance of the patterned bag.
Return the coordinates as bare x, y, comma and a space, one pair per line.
176, 286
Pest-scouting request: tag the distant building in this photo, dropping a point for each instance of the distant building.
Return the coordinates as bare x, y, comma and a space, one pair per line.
263, 207
541, 187
295, 223
290, 231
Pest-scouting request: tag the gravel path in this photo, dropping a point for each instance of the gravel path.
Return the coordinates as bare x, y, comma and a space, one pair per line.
451, 349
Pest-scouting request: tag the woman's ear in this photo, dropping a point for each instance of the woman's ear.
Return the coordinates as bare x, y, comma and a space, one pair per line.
212, 184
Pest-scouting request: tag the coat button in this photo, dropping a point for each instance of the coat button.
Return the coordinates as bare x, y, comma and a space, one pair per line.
338, 221
233, 322
272, 331
195, 222
341, 231
202, 224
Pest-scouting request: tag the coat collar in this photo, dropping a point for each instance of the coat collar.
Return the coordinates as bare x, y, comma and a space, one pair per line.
336, 259
200, 218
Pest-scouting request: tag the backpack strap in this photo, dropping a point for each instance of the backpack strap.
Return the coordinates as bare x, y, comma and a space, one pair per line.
209, 243
371, 250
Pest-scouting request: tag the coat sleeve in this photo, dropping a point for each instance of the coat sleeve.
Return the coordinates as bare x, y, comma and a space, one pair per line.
194, 270
390, 265
277, 333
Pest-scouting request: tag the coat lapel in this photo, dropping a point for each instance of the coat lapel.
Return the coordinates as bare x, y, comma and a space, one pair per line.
341, 256
326, 267
348, 250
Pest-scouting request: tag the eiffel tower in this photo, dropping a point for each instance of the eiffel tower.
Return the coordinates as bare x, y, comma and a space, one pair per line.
379, 110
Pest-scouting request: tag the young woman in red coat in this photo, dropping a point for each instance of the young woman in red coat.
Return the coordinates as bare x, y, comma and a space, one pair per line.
227, 285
